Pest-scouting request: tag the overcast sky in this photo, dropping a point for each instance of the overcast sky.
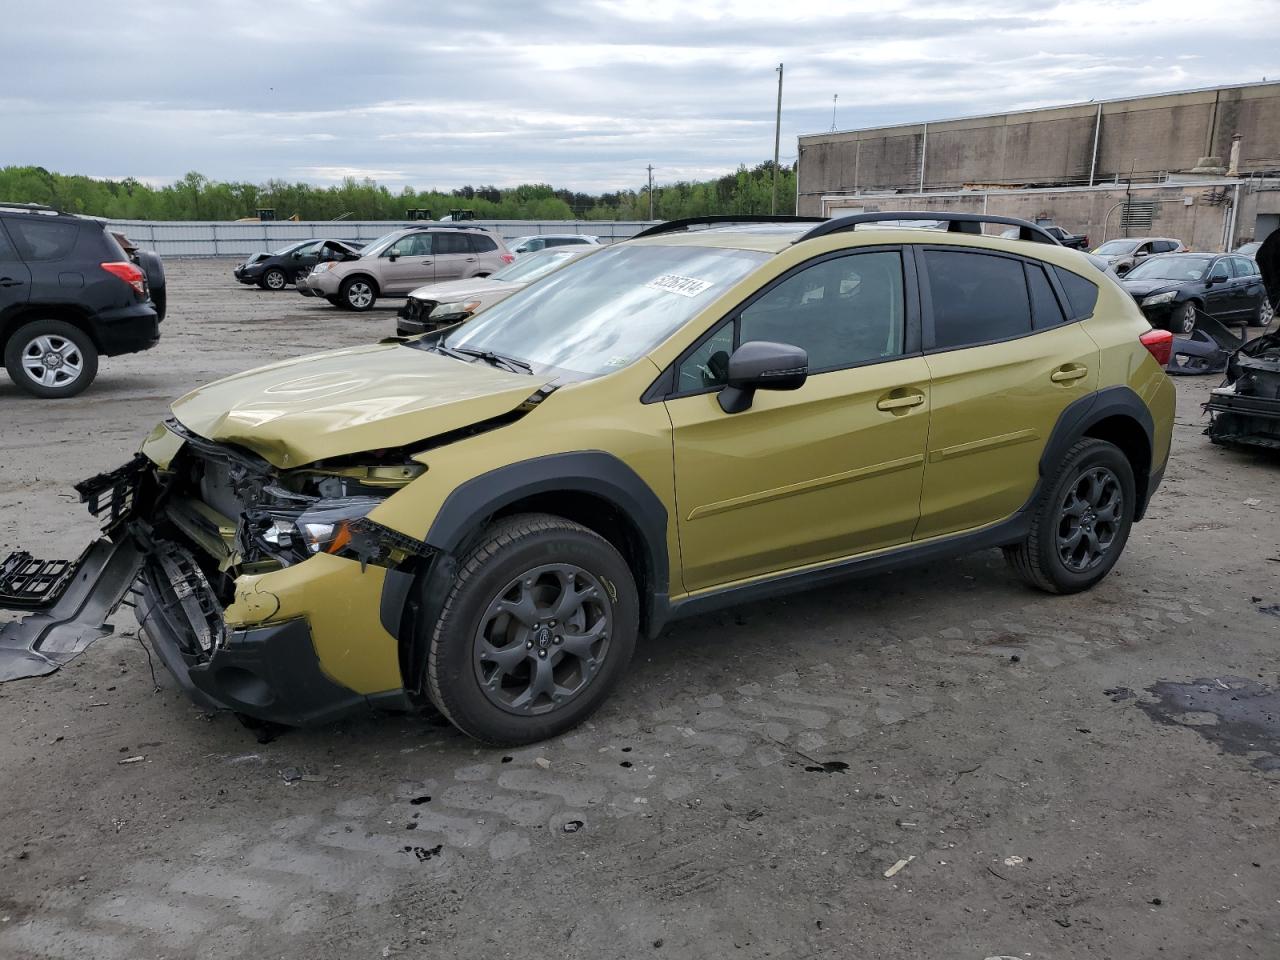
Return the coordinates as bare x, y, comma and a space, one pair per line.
578, 94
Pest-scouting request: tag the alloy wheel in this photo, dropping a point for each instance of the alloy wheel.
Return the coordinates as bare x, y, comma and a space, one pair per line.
360, 295
275, 280
543, 639
1266, 312
52, 361
1089, 519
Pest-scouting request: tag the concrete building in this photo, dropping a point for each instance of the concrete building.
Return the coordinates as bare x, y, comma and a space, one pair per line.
1193, 165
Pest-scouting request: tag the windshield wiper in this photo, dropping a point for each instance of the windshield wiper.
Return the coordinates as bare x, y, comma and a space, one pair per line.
497, 359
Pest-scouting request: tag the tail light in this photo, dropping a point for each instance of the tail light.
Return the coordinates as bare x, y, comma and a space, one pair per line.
130, 274
1160, 345
508, 258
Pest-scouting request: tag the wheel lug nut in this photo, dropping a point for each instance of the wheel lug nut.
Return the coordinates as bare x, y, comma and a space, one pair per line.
542, 654
559, 640
528, 645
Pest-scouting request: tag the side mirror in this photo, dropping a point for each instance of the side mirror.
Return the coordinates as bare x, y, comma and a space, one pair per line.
762, 365
1123, 268
393, 257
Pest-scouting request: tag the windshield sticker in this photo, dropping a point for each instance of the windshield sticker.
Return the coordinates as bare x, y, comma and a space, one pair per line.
682, 286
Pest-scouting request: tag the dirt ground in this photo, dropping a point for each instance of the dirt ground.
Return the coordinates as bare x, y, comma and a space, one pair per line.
744, 792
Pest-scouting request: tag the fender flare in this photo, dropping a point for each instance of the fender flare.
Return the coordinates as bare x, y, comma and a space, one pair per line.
1079, 417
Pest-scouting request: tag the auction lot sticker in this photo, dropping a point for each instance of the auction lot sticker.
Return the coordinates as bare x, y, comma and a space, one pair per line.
674, 283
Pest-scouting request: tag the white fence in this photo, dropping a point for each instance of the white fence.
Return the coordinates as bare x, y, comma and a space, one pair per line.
194, 238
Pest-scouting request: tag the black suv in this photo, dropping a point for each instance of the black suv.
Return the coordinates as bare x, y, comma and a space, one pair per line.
68, 292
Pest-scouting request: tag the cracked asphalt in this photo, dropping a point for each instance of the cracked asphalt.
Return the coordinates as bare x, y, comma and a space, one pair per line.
744, 792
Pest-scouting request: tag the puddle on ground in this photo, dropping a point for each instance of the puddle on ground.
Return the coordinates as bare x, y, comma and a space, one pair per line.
1239, 716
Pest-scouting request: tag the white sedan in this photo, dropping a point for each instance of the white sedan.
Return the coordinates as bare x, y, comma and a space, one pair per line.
452, 301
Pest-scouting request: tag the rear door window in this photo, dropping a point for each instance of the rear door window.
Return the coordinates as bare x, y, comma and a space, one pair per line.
480, 243
443, 243
977, 298
1243, 267
43, 239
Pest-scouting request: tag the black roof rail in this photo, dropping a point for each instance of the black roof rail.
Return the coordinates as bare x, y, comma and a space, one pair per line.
671, 226
956, 223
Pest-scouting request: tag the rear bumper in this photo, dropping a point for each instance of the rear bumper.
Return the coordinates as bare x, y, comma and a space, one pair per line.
127, 329
1244, 420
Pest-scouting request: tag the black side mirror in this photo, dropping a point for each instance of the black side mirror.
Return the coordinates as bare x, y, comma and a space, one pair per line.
762, 365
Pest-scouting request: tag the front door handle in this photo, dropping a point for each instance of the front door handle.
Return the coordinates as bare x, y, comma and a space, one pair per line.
471, 259
9, 282
1067, 374
901, 402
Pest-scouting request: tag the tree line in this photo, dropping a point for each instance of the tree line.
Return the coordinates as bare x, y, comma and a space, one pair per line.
196, 197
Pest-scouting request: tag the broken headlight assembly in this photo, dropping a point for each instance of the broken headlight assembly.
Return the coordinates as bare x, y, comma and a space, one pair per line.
339, 526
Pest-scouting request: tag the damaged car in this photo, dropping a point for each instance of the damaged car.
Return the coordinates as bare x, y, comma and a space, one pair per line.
1245, 410
486, 519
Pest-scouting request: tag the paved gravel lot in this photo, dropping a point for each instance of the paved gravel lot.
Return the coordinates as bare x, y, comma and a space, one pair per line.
742, 795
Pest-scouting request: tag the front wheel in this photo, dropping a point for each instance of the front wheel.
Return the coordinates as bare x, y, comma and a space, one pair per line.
273, 279
1264, 314
358, 294
1081, 523
537, 629
51, 359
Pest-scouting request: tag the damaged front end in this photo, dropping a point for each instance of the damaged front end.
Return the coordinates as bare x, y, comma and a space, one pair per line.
261, 589
1245, 410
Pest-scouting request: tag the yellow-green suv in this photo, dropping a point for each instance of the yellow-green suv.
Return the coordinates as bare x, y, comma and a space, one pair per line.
487, 519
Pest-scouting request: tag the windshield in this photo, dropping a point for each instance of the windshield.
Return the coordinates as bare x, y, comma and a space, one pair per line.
606, 310
283, 251
530, 268
374, 247
1116, 248
1170, 268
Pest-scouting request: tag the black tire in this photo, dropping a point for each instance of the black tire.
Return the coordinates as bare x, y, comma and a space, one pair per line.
159, 300
337, 302
358, 293
274, 279
1182, 319
34, 343
1040, 559
1263, 314
516, 554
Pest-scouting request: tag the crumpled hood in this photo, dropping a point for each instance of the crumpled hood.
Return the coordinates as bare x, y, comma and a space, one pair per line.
255, 258
449, 291
349, 401
1145, 288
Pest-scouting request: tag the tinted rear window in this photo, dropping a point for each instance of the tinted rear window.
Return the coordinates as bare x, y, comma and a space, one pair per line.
482, 244
449, 243
976, 298
1082, 295
42, 239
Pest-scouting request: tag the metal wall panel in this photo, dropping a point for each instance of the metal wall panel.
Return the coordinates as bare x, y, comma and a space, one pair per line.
195, 238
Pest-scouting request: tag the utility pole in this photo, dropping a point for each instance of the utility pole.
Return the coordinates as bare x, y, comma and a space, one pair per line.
777, 138
650, 169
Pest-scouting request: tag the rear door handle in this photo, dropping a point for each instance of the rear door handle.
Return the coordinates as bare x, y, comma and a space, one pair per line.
9, 282
471, 259
900, 403
1067, 374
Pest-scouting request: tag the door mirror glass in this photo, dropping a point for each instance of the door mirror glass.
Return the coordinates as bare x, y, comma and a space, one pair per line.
762, 365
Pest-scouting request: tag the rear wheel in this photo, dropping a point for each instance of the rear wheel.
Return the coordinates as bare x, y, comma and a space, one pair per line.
51, 359
358, 293
1183, 318
1082, 521
1264, 314
537, 629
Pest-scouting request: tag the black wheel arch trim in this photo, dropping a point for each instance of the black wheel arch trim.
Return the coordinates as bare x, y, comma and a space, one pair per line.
591, 472
1083, 415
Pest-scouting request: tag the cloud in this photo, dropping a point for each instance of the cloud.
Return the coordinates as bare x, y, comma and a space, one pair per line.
582, 95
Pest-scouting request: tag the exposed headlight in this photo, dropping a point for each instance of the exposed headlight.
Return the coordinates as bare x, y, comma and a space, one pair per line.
1159, 298
322, 267
456, 310
323, 527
